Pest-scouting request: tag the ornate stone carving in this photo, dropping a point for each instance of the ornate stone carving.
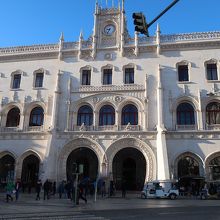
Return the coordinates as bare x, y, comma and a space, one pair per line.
114, 88
118, 99
95, 100
108, 56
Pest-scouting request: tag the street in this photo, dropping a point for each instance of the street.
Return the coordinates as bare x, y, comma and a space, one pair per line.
131, 208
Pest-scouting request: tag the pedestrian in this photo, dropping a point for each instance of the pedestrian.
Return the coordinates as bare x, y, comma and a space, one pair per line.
123, 188
54, 188
68, 189
17, 188
103, 191
80, 194
9, 190
61, 189
111, 188
46, 189
38, 189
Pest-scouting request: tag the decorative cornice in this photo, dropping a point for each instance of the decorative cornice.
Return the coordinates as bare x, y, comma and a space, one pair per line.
167, 42
24, 135
29, 49
192, 135
197, 36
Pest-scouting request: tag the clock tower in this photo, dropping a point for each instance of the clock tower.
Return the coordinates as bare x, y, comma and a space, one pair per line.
109, 28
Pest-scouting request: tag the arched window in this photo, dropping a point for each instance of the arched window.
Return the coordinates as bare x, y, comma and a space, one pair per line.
185, 114
213, 113
129, 115
13, 117
36, 117
188, 166
107, 115
214, 168
85, 115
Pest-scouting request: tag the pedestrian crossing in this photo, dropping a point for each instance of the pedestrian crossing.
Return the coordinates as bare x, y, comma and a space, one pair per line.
76, 215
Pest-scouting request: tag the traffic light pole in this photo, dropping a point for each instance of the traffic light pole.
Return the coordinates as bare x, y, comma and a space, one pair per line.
140, 21
163, 12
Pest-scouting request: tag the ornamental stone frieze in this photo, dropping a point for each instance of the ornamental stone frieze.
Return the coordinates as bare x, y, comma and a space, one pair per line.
195, 135
112, 136
112, 88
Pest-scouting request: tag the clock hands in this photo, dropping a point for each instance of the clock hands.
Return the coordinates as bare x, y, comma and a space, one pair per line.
108, 30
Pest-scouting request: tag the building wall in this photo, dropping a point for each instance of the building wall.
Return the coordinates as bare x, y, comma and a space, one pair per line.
62, 95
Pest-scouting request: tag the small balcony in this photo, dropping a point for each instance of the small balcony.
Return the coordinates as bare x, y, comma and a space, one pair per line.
130, 127
83, 128
10, 129
18, 129
107, 128
35, 128
186, 127
212, 126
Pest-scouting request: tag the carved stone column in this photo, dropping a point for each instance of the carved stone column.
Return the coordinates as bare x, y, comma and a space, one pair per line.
162, 157
21, 123
117, 118
95, 119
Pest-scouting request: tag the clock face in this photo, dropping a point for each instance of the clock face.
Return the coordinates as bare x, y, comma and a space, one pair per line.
109, 29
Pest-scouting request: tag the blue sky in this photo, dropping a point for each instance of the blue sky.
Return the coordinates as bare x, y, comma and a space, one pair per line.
28, 22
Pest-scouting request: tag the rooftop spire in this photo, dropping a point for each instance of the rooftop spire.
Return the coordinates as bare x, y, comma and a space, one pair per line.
158, 27
81, 35
61, 37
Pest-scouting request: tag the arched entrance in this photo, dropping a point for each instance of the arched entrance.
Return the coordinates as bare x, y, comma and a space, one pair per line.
189, 173
7, 166
126, 168
82, 156
30, 171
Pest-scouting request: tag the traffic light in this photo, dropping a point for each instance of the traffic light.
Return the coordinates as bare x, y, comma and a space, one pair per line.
140, 23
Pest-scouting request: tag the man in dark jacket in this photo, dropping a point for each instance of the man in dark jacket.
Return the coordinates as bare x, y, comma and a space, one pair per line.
46, 189
38, 189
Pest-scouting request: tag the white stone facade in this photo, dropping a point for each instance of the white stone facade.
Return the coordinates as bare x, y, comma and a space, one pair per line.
156, 92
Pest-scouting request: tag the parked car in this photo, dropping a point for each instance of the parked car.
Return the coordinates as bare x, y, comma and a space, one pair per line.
160, 189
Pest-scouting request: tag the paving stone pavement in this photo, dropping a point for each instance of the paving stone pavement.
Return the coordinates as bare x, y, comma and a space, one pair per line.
28, 208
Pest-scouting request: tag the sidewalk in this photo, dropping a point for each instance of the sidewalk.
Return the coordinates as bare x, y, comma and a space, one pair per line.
28, 204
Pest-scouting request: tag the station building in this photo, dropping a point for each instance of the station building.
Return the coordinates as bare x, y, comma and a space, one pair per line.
127, 108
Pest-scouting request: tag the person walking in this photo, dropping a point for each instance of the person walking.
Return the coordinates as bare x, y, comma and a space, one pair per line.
9, 190
54, 188
46, 189
103, 191
17, 189
61, 188
80, 194
68, 189
38, 189
123, 188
